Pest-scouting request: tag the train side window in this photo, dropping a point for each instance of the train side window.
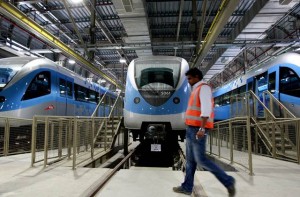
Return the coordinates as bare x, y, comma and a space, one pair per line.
226, 98
272, 82
289, 82
80, 93
217, 101
62, 87
69, 89
39, 86
92, 96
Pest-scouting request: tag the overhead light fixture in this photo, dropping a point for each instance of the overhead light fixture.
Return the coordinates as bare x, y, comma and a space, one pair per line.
77, 1
70, 61
122, 59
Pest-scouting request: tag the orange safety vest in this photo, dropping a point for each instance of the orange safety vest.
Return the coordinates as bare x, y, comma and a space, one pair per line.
193, 112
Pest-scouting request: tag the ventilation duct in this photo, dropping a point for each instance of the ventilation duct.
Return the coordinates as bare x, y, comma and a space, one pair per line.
127, 5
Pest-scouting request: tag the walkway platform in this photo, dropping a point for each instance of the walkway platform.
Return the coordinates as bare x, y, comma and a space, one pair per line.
17, 178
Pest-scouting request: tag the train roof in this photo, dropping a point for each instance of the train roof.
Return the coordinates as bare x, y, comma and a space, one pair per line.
16, 63
286, 58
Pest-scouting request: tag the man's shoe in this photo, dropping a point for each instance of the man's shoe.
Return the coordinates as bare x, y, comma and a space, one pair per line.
231, 189
179, 189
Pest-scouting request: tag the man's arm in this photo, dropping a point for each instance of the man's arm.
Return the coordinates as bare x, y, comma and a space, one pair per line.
206, 109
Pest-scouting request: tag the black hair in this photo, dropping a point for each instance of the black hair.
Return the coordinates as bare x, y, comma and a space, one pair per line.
195, 72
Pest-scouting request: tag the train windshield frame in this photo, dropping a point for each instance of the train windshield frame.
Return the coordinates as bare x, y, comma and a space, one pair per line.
9, 68
159, 74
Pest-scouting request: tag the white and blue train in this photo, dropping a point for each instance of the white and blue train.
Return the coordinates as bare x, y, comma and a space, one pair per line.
156, 97
279, 76
37, 86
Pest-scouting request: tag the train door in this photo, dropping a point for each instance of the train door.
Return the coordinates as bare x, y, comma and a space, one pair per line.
261, 85
65, 99
250, 84
273, 87
273, 82
289, 85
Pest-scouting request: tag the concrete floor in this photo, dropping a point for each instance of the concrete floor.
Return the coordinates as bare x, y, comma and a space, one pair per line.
17, 178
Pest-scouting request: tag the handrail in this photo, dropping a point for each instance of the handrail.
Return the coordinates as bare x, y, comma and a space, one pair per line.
264, 106
280, 104
99, 130
267, 143
228, 128
113, 107
97, 107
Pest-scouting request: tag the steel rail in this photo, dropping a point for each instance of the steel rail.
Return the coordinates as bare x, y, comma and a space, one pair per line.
101, 184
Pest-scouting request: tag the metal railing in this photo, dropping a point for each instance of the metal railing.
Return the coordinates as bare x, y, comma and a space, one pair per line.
77, 138
275, 106
56, 138
274, 129
231, 139
15, 135
263, 126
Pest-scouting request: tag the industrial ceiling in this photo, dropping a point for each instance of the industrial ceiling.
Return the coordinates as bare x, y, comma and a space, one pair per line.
223, 38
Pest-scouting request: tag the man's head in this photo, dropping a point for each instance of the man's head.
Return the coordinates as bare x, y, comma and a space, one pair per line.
194, 75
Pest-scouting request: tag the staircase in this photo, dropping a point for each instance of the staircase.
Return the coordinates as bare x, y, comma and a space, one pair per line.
276, 135
108, 132
275, 138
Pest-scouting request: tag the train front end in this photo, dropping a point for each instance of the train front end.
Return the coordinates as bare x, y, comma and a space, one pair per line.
156, 97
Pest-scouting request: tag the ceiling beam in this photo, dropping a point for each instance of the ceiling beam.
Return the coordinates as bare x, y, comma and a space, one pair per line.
179, 19
254, 10
225, 11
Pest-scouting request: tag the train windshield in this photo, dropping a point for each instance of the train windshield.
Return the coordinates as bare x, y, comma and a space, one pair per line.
9, 68
159, 74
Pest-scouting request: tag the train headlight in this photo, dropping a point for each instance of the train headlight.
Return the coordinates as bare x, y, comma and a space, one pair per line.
176, 100
136, 100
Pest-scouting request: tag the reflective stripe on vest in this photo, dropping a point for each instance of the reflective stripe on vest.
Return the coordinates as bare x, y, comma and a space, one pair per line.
193, 112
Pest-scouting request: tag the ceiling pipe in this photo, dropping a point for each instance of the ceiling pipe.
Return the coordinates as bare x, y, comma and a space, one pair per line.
201, 25
225, 11
75, 26
179, 19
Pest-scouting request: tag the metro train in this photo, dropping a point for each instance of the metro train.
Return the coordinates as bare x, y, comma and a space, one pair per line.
37, 86
279, 76
156, 97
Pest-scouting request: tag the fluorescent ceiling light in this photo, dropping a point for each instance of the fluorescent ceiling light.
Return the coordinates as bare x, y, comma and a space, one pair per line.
71, 61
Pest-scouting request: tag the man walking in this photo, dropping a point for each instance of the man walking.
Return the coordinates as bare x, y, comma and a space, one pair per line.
199, 120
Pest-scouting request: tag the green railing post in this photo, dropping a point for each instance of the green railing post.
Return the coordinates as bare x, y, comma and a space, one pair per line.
219, 147
92, 138
33, 140
298, 140
60, 130
6, 138
69, 136
105, 140
249, 146
46, 141
231, 142
74, 143
273, 140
